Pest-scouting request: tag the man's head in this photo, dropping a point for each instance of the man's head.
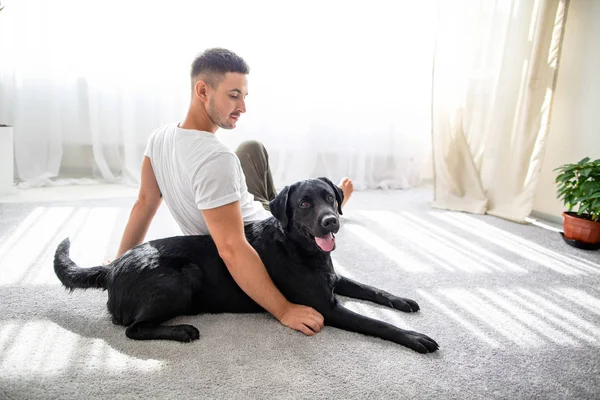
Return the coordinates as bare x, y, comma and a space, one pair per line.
220, 86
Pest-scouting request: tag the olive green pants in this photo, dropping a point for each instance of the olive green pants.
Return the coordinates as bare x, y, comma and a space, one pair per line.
255, 164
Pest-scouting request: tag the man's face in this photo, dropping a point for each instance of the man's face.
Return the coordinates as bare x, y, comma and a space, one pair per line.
228, 100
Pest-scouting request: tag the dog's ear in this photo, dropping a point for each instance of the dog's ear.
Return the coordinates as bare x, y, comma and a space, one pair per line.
279, 206
339, 194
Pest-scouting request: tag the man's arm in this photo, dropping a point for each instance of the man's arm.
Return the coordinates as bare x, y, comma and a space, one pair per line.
245, 266
143, 211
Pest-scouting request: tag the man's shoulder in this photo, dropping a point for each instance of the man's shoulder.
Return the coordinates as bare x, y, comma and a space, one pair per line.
212, 159
161, 130
206, 150
222, 160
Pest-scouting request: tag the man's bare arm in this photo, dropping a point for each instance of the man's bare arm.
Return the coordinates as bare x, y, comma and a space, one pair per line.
245, 266
143, 210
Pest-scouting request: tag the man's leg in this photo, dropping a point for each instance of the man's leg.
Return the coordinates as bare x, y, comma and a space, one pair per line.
255, 164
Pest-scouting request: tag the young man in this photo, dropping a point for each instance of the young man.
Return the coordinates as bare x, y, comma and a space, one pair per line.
204, 183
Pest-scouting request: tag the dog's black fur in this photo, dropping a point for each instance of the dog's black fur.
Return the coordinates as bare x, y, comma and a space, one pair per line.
161, 279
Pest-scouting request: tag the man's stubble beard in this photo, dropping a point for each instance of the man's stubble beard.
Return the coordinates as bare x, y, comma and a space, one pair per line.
213, 114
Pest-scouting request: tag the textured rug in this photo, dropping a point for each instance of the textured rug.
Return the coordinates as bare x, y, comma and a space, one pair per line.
515, 310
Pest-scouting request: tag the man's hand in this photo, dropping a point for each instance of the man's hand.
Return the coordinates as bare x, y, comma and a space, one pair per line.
302, 318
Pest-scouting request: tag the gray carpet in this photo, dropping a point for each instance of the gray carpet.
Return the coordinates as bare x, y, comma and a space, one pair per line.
515, 310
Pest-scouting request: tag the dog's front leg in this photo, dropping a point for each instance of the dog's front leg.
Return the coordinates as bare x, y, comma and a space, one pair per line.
348, 320
348, 287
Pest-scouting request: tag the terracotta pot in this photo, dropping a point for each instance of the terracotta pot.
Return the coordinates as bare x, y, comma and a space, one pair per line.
581, 229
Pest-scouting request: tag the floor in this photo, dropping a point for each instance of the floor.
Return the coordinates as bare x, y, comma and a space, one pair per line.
515, 310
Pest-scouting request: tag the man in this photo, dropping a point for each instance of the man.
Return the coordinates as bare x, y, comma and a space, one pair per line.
204, 184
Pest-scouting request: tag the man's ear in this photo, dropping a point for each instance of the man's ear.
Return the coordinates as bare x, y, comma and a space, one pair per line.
201, 90
279, 206
339, 193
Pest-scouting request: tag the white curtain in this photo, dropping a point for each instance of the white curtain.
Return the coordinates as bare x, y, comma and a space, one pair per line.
494, 78
336, 88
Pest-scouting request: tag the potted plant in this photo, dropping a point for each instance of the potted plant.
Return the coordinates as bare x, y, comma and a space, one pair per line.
579, 190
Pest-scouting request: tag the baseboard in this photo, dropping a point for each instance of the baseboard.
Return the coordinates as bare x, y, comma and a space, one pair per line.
552, 220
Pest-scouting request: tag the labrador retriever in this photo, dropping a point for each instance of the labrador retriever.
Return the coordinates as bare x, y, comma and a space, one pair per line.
184, 275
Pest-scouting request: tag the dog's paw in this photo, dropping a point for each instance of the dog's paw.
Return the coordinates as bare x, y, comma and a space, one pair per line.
419, 342
406, 305
185, 333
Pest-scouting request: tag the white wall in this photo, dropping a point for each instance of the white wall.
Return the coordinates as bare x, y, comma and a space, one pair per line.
575, 122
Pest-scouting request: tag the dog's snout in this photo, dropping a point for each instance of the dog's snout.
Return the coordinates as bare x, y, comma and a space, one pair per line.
329, 222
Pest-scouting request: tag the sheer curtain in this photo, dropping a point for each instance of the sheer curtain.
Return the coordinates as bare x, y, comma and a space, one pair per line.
494, 78
336, 88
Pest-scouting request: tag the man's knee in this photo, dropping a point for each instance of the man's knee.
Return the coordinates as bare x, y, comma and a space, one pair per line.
252, 148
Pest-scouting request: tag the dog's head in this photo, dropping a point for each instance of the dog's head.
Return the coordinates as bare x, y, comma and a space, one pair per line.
308, 212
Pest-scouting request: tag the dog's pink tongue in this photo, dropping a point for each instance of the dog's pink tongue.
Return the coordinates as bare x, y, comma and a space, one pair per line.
326, 243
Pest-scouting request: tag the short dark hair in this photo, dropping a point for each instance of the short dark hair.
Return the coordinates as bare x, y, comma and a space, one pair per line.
214, 63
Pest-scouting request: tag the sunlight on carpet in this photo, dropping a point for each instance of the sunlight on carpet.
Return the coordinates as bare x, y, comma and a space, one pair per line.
470, 249
439, 246
499, 316
558, 262
30, 249
519, 315
548, 315
405, 261
458, 318
580, 298
528, 319
44, 348
496, 319
377, 312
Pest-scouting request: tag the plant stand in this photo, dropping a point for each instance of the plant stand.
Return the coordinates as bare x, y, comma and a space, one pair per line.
6, 159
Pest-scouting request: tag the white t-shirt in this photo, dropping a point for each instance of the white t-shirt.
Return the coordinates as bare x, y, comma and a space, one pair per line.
195, 171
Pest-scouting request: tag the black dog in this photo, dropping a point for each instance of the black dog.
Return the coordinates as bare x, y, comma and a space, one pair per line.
161, 279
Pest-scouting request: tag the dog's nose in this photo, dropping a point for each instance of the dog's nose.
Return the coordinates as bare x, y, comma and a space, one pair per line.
329, 222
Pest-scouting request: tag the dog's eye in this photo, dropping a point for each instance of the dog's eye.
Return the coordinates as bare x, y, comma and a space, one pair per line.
330, 198
304, 204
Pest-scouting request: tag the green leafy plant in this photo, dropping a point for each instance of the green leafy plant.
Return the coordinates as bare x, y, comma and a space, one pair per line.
579, 187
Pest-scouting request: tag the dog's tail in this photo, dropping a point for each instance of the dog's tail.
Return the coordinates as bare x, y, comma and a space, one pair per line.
73, 276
